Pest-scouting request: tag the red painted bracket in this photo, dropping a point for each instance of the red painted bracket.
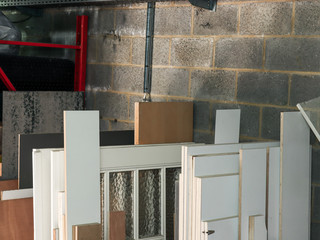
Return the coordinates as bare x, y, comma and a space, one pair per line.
6, 81
80, 47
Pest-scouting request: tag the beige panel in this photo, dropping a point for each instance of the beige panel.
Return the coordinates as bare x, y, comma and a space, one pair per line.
87, 232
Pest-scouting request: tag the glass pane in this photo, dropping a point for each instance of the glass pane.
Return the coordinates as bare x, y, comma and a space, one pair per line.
121, 197
149, 203
172, 175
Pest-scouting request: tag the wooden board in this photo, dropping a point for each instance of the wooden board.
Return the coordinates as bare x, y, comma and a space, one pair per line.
27, 142
87, 232
82, 168
163, 122
252, 190
17, 194
8, 185
16, 219
61, 215
226, 229
117, 225
257, 228
295, 178
227, 128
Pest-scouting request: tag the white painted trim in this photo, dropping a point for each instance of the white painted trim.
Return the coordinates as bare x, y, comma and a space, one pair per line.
17, 194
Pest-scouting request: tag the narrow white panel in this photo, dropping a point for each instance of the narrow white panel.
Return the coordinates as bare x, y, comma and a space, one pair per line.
61, 215
57, 185
253, 167
42, 194
274, 194
219, 197
257, 229
295, 177
17, 194
82, 161
227, 129
226, 229
216, 165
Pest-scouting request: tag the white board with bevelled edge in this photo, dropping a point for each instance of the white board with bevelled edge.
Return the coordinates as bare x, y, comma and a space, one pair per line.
57, 185
257, 228
225, 229
295, 180
227, 128
252, 190
82, 167
17, 194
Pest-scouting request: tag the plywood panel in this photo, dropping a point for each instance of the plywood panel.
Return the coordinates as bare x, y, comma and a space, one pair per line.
295, 178
82, 166
16, 219
227, 128
8, 185
87, 232
117, 225
17, 194
226, 229
252, 192
163, 122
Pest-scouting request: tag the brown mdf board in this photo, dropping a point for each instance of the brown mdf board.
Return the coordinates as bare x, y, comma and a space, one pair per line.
27, 142
163, 122
16, 219
87, 232
0, 169
8, 185
117, 225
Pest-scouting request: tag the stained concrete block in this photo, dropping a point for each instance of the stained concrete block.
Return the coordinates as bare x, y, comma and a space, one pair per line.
304, 88
131, 22
32, 112
239, 53
224, 21
217, 85
203, 137
173, 21
104, 21
267, 88
92, 50
113, 49
99, 77
170, 81
112, 105
293, 54
307, 18
160, 51
117, 126
266, 18
192, 52
201, 115
128, 79
90, 100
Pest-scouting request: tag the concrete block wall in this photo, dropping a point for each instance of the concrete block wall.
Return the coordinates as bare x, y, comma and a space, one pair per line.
260, 56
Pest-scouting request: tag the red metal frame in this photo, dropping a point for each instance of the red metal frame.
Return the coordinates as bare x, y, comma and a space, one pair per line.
6, 81
80, 47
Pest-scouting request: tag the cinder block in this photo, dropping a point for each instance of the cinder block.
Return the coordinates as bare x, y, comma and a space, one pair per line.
223, 21
267, 88
173, 21
293, 54
217, 85
112, 105
307, 18
203, 137
103, 21
113, 49
92, 50
131, 22
239, 53
192, 52
201, 115
60, 18
304, 88
128, 79
170, 81
99, 77
90, 100
266, 18
160, 51
117, 126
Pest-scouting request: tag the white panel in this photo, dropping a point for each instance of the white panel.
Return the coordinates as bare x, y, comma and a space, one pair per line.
295, 177
61, 215
42, 194
253, 167
219, 197
226, 229
57, 185
17, 194
227, 129
274, 194
82, 161
257, 228
216, 165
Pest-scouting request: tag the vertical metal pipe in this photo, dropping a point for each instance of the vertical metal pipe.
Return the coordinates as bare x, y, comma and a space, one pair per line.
149, 51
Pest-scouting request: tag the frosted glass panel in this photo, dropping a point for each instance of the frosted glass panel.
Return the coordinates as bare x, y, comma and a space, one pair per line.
172, 175
121, 197
149, 203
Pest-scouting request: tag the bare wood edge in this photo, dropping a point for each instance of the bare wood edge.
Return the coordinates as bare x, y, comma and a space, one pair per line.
240, 191
281, 175
55, 233
64, 226
18, 163
267, 185
64, 217
1, 196
136, 123
251, 227
75, 232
